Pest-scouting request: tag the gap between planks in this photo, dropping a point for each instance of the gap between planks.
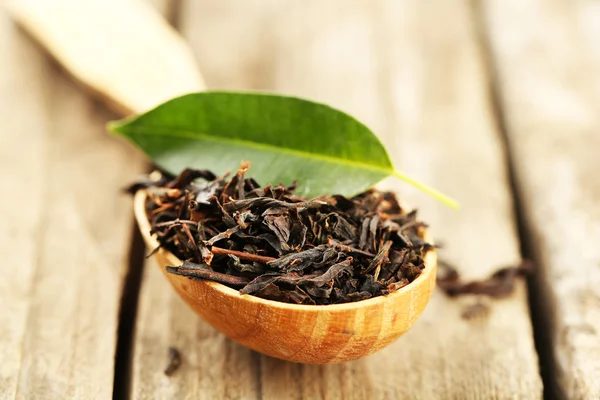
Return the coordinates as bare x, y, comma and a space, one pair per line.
547, 57
122, 389
538, 310
127, 315
59, 324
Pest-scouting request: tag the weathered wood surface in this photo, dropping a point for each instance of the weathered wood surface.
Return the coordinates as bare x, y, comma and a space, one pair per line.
547, 55
65, 230
413, 72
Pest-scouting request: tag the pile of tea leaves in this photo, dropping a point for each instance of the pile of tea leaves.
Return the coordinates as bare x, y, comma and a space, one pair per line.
270, 243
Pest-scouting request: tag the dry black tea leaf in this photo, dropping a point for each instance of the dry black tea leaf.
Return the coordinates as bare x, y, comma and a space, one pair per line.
500, 284
271, 243
174, 361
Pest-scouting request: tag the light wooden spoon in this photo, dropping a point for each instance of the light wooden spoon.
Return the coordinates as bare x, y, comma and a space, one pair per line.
300, 333
124, 51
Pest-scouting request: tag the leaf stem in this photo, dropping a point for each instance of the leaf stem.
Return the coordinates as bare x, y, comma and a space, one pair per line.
450, 202
242, 255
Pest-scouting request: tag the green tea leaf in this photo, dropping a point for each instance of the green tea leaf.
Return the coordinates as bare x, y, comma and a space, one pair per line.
285, 139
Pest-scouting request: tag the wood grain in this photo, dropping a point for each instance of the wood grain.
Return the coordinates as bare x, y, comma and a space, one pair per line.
22, 89
413, 72
65, 230
548, 62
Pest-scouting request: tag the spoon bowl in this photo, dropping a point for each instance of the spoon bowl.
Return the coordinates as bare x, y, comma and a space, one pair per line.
307, 334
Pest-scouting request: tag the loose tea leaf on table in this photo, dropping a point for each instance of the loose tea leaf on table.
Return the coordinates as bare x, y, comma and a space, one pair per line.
500, 284
271, 243
174, 361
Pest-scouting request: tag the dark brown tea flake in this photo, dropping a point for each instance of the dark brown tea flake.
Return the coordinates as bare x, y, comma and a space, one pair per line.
174, 361
500, 284
270, 243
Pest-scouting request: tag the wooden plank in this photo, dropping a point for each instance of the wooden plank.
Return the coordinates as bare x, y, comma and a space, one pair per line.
548, 59
413, 72
66, 230
18, 236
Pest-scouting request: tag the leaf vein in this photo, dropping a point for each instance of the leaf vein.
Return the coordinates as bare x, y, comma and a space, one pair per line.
184, 134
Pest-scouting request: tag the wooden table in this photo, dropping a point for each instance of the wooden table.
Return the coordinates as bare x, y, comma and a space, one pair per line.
493, 101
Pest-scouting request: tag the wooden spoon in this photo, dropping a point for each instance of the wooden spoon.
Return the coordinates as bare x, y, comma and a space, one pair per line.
124, 51
300, 333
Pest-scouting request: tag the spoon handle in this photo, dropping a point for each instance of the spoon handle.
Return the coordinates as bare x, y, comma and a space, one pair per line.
121, 49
